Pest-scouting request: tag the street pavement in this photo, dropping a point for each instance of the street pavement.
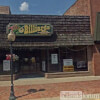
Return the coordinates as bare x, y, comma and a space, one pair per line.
49, 89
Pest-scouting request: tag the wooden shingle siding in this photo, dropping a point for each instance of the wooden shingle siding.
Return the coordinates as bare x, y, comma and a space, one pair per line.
60, 23
67, 30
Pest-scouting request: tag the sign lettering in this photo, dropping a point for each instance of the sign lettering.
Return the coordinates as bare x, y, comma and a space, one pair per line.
31, 29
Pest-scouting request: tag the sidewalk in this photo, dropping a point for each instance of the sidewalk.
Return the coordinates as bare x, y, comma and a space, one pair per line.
49, 89
42, 80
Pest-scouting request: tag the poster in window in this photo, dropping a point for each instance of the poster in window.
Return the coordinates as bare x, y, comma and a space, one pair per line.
67, 62
68, 65
43, 66
81, 64
6, 65
54, 58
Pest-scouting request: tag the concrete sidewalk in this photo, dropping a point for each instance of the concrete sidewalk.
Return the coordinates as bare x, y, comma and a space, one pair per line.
32, 81
86, 97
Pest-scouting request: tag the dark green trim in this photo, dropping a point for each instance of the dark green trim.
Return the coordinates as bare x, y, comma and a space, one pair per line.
97, 28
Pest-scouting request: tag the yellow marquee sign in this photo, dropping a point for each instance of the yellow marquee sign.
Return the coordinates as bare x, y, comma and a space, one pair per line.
68, 68
30, 29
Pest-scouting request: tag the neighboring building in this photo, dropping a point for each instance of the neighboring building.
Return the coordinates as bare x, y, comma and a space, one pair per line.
5, 10
89, 8
85, 8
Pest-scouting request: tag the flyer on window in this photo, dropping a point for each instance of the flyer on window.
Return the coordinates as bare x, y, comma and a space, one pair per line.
6, 65
54, 58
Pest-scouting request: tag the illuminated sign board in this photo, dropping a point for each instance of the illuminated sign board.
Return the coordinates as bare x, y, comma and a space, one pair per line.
30, 29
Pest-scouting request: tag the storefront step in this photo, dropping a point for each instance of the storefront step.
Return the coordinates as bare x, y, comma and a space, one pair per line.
48, 75
8, 77
67, 74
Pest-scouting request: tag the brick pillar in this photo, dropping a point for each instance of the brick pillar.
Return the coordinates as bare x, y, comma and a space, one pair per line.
89, 58
96, 64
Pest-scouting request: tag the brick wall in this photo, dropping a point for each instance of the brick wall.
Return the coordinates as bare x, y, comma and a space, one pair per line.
89, 58
88, 8
96, 60
4, 10
80, 7
96, 64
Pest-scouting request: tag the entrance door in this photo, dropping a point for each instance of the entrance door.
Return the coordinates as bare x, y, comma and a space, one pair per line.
53, 60
28, 67
29, 60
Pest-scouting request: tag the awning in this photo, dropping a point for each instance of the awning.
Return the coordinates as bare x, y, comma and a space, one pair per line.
61, 40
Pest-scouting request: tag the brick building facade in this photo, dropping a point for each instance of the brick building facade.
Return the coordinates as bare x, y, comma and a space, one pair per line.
81, 7
72, 43
69, 33
85, 8
88, 8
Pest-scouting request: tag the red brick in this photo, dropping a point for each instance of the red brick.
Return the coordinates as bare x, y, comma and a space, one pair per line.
85, 8
50, 90
80, 7
96, 64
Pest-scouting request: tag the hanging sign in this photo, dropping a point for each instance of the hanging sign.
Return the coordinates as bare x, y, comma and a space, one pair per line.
6, 65
28, 29
54, 58
68, 65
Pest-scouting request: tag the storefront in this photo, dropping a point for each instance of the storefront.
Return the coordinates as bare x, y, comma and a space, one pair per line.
47, 44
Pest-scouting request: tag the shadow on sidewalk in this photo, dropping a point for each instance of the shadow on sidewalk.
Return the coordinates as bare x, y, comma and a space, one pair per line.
30, 91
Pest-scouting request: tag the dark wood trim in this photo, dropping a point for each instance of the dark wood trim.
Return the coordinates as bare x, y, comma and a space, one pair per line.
60, 68
48, 69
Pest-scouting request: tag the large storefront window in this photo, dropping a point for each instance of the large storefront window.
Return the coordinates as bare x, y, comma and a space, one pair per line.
29, 60
75, 58
4, 69
67, 59
61, 59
